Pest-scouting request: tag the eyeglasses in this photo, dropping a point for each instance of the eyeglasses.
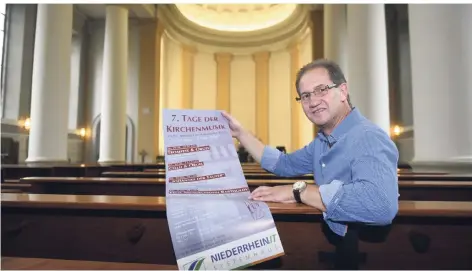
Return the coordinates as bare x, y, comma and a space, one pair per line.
319, 91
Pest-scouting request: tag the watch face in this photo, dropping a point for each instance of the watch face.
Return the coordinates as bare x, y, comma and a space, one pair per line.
299, 185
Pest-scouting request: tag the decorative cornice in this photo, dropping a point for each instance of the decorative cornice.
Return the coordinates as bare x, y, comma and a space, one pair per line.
261, 56
273, 38
223, 57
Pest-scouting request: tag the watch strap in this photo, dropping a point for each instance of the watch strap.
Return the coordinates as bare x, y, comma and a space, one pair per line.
296, 194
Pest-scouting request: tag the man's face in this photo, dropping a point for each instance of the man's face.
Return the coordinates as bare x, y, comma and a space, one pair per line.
322, 108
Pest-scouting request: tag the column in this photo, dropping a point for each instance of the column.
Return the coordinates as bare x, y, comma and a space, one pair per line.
262, 95
223, 66
19, 54
317, 33
115, 84
367, 62
441, 65
188, 54
335, 34
51, 85
295, 106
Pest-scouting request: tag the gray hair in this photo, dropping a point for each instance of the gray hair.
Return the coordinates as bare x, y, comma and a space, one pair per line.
335, 73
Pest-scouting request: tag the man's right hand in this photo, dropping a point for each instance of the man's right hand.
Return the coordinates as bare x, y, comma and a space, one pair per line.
250, 142
234, 125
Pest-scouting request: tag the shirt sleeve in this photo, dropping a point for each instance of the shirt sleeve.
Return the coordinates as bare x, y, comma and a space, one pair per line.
371, 196
293, 164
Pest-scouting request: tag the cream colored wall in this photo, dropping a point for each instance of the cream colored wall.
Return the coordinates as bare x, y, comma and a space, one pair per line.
204, 81
172, 74
171, 80
162, 93
242, 83
306, 126
146, 94
279, 99
132, 103
243, 91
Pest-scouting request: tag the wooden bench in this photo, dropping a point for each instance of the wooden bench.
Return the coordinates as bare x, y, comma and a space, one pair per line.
60, 170
10, 187
18, 263
424, 235
162, 174
409, 190
256, 174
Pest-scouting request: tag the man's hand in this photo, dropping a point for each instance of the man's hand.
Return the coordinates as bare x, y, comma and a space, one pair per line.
250, 142
281, 193
234, 125
284, 194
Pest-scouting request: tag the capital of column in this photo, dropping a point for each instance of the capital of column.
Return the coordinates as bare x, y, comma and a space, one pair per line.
293, 48
160, 29
125, 6
189, 50
261, 57
311, 24
223, 57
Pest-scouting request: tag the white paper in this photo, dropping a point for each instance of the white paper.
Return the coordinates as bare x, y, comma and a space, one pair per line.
212, 223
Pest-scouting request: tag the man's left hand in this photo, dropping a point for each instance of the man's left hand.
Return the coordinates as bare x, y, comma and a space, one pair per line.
281, 193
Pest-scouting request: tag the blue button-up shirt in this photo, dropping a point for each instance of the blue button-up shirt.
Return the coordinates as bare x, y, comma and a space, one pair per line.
357, 175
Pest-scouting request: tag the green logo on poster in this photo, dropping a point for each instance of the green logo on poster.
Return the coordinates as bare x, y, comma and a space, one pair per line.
195, 265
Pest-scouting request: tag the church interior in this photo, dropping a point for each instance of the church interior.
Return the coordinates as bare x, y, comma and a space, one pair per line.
83, 88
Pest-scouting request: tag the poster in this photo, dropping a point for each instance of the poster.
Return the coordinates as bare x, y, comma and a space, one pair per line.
212, 223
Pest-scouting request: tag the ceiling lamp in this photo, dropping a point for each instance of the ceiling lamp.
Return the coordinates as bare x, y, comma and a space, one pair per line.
236, 17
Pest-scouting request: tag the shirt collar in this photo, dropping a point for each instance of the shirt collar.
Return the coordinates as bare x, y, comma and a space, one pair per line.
351, 120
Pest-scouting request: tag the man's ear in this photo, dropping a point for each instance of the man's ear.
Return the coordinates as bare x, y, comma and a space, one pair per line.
345, 91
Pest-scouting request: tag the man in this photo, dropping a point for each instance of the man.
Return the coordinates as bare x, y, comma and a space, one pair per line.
354, 161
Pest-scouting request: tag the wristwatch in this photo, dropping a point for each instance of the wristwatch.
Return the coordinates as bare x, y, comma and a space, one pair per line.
298, 187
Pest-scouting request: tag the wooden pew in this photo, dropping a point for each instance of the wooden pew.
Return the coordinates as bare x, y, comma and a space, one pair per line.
266, 175
424, 235
11, 187
95, 170
76, 170
162, 173
408, 189
18, 263
136, 167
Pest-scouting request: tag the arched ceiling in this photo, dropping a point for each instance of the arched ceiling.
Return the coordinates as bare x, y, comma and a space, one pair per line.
235, 25
236, 17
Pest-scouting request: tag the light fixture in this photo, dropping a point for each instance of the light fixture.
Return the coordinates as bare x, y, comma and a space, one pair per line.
82, 132
25, 124
397, 130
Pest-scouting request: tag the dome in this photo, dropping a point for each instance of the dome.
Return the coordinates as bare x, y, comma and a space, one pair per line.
236, 17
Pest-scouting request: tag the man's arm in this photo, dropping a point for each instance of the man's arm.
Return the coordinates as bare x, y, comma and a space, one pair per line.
252, 145
372, 194
294, 164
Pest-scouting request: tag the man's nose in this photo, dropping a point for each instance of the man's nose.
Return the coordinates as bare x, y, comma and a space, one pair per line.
313, 102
